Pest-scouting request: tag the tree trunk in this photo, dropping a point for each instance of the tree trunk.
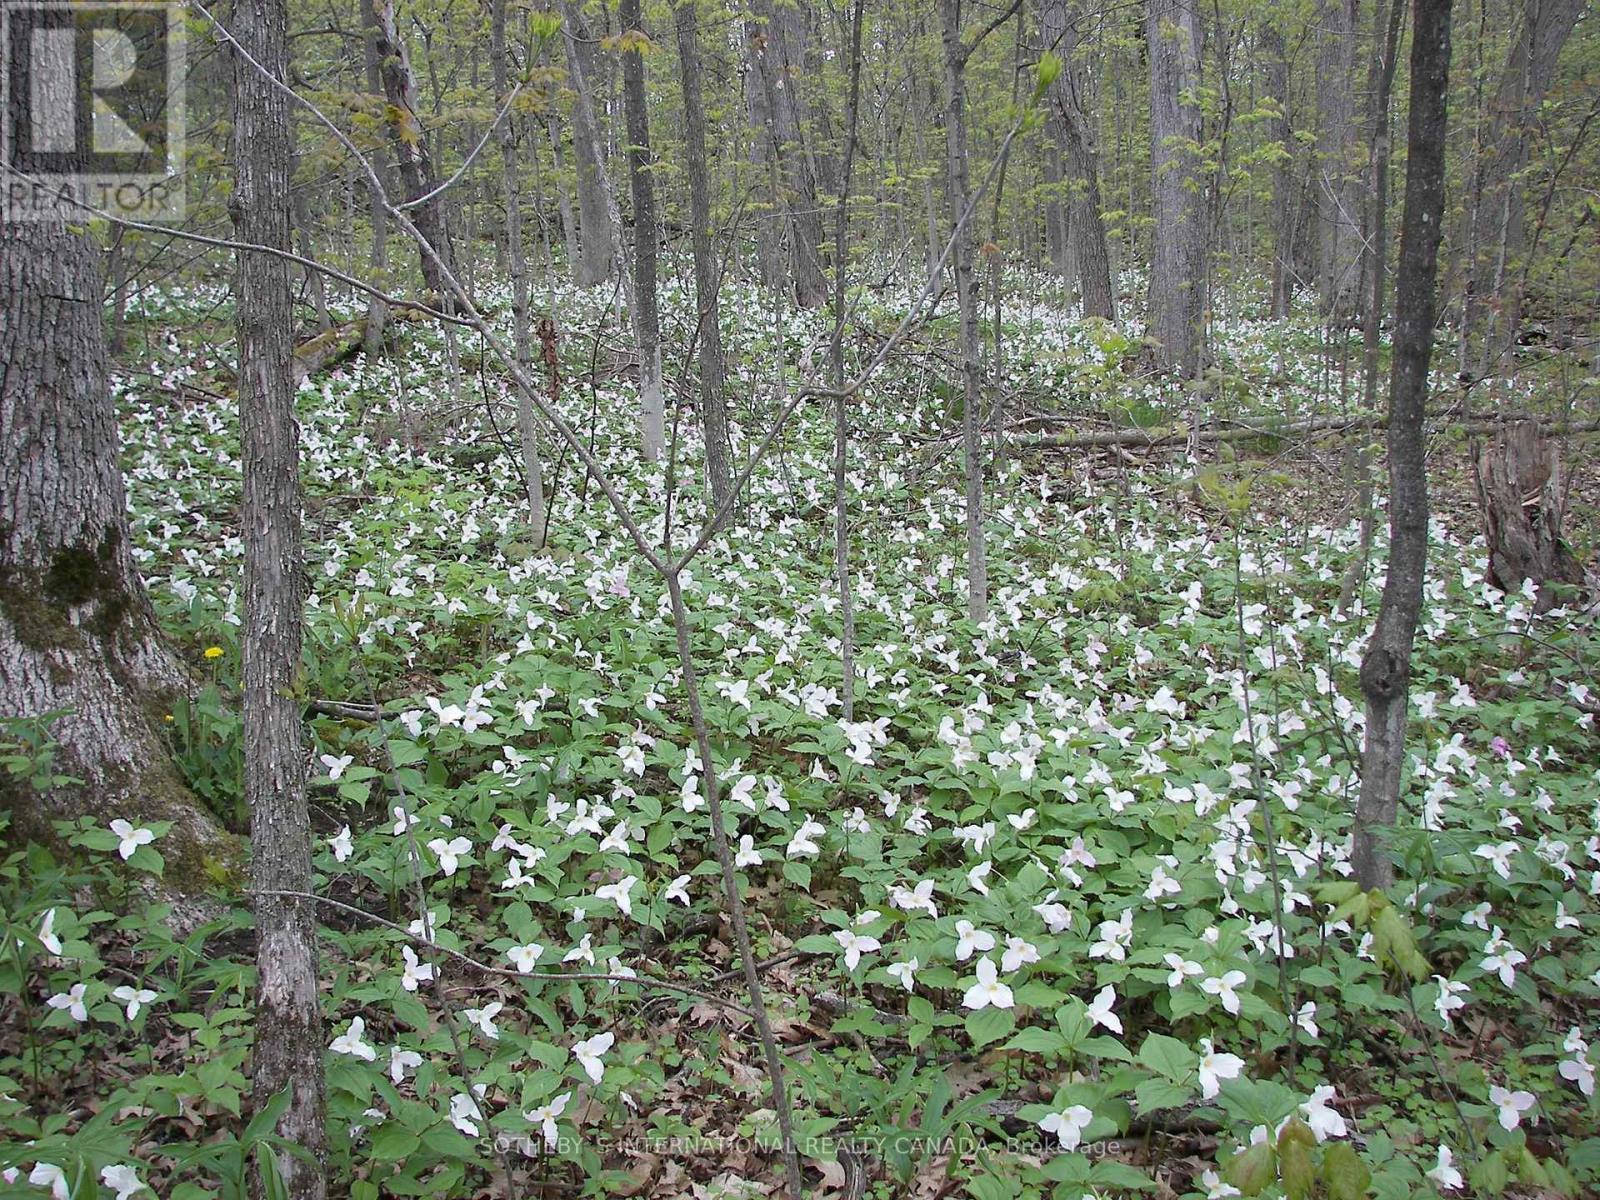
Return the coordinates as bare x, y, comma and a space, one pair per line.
1386, 667
713, 371
1178, 254
955, 67
411, 144
288, 1048
1522, 493
594, 216
1335, 191
1085, 226
78, 636
646, 232
772, 217
1492, 315
782, 68
1285, 203
377, 310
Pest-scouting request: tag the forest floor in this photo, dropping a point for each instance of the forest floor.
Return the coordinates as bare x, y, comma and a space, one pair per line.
1061, 911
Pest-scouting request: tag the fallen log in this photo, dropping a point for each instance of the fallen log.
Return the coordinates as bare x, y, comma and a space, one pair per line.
1232, 431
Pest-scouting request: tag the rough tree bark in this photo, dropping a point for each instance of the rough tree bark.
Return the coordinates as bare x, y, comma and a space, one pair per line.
1492, 313
79, 647
1178, 253
957, 181
771, 218
594, 263
1336, 192
289, 1041
1522, 494
1086, 228
1284, 201
713, 371
511, 181
410, 142
1386, 667
781, 67
646, 231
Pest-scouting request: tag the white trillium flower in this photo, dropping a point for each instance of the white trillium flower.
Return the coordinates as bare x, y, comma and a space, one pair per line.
47, 933
1018, 953
449, 852
854, 946
1324, 1120
970, 938
483, 1019
1068, 1125
524, 958
122, 1179
401, 1061
1223, 987
416, 972
336, 764
53, 1177
349, 1042
1510, 1105
130, 839
988, 990
545, 1117
134, 998
589, 1051
1100, 1009
1445, 1176
341, 844
1215, 1068
72, 1001
905, 972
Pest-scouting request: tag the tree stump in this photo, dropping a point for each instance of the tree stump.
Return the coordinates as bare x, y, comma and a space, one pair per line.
1522, 494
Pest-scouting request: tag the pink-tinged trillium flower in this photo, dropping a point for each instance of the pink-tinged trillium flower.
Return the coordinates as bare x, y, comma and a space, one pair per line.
130, 839
1215, 1068
970, 938
349, 1042
1223, 987
1445, 1176
1500, 747
589, 1051
1068, 1125
988, 990
1511, 1105
854, 946
545, 1117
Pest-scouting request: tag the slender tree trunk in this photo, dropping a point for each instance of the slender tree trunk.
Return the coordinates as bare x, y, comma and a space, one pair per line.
1178, 257
772, 217
569, 218
289, 1042
377, 310
1386, 667
594, 214
646, 233
1493, 312
782, 67
510, 165
713, 372
841, 429
1336, 194
955, 67
410, 143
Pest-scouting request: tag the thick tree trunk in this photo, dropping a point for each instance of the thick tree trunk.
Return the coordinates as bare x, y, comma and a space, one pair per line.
1522, 493
646, 232
771, 219
957, 181
594, 212
1178, 255
411, 143
511, 182
713, 371
1386, 668
289, 1043
78, 637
